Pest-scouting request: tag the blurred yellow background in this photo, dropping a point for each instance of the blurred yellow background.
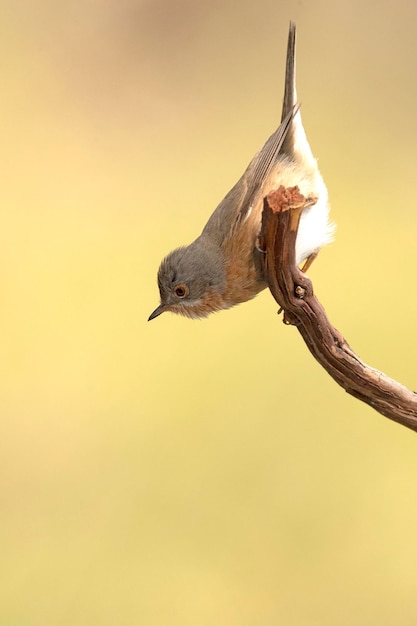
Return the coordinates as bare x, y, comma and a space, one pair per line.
199, 472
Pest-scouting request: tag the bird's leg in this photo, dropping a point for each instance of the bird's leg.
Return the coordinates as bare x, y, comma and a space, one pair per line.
309, 260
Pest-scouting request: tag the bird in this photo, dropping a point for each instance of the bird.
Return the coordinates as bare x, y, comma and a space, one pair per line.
223, 266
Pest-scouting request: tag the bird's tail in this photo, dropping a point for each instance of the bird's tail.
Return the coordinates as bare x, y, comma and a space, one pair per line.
295, 145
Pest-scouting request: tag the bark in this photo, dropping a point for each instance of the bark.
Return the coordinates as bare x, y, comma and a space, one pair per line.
293, 291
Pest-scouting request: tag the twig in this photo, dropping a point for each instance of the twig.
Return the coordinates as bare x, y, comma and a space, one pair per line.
293, 291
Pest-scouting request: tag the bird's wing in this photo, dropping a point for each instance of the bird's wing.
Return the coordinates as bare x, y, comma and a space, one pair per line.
244, 194
242, 197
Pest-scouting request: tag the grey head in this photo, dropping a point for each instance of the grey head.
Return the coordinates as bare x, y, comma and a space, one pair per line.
191, 280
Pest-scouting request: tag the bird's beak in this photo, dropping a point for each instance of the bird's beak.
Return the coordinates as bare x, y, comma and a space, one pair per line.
159, 309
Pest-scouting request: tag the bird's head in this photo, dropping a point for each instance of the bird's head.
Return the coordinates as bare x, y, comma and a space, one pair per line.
191, 280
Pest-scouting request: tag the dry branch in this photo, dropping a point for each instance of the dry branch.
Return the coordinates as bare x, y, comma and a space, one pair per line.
293, 291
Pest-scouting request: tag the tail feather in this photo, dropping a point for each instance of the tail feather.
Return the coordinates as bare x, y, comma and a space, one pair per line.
290, 93
295, 145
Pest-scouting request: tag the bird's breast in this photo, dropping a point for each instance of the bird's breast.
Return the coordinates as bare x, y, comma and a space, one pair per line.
244, 278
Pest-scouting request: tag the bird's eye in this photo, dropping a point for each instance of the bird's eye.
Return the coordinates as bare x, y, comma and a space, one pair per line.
181, 291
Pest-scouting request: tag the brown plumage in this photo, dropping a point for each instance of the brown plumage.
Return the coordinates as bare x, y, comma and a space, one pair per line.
222, 267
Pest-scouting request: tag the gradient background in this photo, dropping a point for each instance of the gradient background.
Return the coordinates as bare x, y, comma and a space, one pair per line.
199, 472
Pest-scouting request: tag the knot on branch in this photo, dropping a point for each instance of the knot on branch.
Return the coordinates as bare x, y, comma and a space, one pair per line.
300, 292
